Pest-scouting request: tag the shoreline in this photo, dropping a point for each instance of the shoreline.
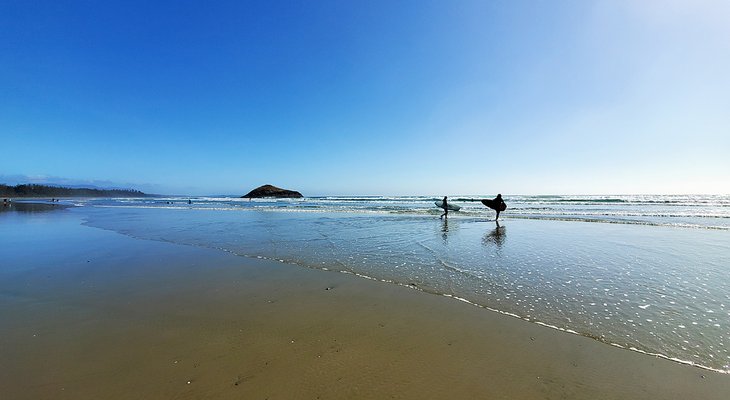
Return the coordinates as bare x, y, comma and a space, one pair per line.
99, 314
521, 318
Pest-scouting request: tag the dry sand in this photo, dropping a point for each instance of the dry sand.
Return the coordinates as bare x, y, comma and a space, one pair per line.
97, 315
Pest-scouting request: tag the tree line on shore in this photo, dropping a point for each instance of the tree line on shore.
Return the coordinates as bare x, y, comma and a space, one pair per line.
32, 190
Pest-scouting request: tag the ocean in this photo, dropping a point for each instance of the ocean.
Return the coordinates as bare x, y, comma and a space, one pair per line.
700, 211
646, 273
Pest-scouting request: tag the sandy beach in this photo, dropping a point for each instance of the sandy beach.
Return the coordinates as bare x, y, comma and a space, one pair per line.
365, 200
88, 313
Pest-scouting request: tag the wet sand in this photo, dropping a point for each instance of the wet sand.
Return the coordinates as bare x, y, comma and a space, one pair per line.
90, 314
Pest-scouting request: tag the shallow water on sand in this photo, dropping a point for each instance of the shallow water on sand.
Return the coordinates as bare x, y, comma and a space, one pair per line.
657, 289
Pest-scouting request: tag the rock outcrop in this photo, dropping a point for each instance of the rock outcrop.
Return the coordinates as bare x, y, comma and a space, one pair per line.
271, 191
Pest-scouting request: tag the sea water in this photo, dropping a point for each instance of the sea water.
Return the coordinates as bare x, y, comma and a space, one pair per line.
705, 211
647, 273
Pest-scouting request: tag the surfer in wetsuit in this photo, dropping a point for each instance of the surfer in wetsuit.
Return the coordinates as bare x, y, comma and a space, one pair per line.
500, 205
446, 209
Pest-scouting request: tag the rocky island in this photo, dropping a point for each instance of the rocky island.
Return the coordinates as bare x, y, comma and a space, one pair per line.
271, 191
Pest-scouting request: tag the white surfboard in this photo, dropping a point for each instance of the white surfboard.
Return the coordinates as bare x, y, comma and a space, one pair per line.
451, 206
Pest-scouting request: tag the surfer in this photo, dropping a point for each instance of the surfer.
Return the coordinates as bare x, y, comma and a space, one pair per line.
500, 205
496, 204
446, 209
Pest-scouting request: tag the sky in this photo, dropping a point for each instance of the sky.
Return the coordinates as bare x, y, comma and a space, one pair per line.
368, 97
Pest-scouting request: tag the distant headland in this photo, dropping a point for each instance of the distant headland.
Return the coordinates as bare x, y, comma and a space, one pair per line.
271, 191
32, 190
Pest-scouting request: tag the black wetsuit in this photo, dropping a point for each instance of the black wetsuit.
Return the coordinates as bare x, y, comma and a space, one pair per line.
499, 203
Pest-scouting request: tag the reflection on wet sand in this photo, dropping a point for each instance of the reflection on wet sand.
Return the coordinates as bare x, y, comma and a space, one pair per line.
30, 207
496, 236
449, 228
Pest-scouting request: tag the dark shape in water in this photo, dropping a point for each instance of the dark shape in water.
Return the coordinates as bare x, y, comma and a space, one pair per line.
496, 236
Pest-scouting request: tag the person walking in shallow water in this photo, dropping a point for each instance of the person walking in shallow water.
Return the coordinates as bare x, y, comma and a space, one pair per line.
496, 204
500, 205
446, 208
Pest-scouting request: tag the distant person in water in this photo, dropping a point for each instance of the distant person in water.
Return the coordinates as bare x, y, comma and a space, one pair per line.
500, 204
446, 208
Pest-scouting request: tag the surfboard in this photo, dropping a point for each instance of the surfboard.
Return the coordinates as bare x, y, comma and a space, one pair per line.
494, 205
451, 206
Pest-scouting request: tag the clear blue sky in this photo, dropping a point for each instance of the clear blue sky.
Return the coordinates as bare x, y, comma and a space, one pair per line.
368, 97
